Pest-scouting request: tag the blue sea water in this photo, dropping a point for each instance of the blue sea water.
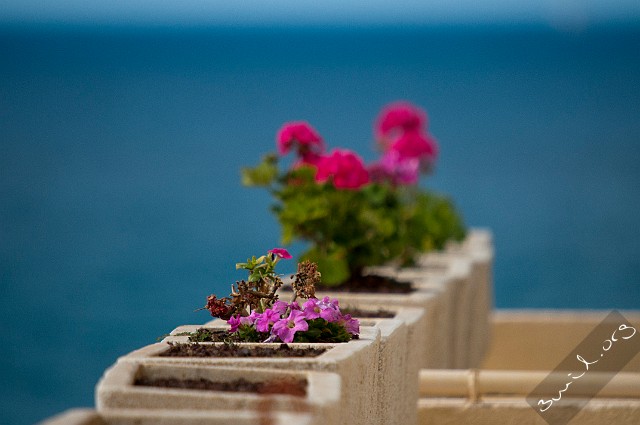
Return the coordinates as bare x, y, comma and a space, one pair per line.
120, 150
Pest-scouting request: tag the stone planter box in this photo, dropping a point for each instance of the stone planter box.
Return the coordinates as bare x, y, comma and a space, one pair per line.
180, 417
436, 339
469, 265
478, 246
400, 359
397, 365
459, 283
452, 282
352, 361
116, 390
443, 294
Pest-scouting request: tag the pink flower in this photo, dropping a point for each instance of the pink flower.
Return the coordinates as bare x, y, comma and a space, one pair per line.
250, 319
397, 170
314, 309
299, 135
413, 144
266, 319
351, 325
308, 159
311, 309
294, 305
279, 307
234, 321
286, 329
399, 117
333, 303
345, 167
280, 252
329, 309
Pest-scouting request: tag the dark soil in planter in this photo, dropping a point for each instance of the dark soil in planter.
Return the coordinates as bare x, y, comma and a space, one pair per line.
212, 335
289, 386
371, 283
234, 350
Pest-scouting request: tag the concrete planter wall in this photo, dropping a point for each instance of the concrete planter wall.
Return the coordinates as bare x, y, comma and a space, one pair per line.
397, 364
352, 361
436, 337
116, 390
396, 394
478, 247
444, 295
450, 323
463, 274
455, 288
400, 359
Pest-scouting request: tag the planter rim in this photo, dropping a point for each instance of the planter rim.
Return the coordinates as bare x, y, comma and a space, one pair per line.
120, 377
335, 351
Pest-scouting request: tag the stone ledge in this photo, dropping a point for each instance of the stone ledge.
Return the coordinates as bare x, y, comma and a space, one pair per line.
115, 390
514, 411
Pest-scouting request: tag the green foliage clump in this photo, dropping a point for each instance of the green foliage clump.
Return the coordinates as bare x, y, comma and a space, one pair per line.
352, 229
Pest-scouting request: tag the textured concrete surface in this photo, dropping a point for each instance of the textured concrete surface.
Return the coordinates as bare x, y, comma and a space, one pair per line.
396, 395
429, 300
116, 390
355, 362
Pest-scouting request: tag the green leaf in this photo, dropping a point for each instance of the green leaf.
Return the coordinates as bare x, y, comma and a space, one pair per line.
263, 174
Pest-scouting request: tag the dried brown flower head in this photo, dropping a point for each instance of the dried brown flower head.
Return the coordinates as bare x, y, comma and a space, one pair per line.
218, 307
306, 279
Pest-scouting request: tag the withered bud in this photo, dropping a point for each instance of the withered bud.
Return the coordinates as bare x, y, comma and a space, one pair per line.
218, 307
306, 279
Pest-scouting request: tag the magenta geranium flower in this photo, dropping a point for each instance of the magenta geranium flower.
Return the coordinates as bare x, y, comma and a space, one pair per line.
345, 168
286, 329
399, 117
414, 144
392, 168
308, 159
280, 252
301, 136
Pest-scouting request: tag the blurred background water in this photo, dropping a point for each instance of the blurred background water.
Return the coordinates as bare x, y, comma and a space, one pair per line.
120, 148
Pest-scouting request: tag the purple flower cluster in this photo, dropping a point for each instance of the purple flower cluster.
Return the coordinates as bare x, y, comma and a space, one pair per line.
283, 319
